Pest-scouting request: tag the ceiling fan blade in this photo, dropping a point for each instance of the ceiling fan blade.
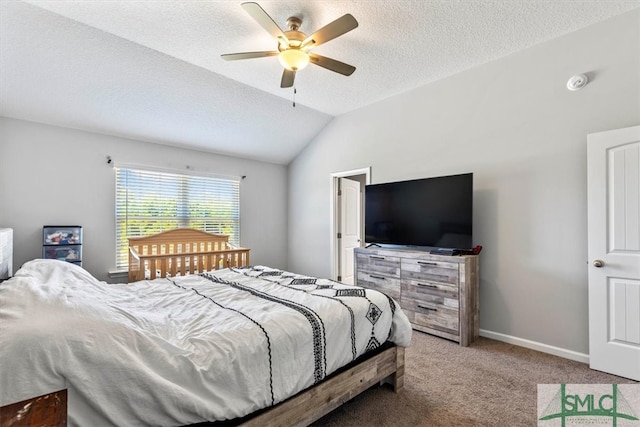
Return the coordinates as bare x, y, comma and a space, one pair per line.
247, 55
332, 64
287, 78
262, 18
332, 30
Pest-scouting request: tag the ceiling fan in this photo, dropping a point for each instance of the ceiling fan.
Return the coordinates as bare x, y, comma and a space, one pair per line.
294, 46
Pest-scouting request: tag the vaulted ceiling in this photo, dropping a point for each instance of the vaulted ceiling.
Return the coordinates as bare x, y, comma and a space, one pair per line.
151, 70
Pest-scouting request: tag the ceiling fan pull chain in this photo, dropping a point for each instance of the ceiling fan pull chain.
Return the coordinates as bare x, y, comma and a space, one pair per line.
294, 97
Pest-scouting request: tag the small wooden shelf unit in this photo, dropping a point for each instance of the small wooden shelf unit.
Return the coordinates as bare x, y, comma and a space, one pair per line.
438, 293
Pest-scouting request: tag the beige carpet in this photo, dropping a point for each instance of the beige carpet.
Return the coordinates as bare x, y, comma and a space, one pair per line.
489, 383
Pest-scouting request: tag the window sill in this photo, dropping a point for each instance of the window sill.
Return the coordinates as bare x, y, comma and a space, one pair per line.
118, 276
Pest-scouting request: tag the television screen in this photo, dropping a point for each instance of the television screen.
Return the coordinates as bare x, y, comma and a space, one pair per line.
432, 212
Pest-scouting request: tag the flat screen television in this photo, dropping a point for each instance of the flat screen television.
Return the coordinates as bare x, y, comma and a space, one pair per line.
430, 212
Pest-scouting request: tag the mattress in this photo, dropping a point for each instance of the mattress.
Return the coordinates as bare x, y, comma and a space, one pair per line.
182, 350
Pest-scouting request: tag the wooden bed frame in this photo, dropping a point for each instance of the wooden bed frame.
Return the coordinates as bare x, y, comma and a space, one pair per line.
181, 251
384, 365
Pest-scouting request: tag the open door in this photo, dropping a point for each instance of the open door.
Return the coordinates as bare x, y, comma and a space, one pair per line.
349, 236
347, 220
614, 251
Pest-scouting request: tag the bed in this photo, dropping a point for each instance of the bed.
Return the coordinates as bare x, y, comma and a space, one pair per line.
249, 345
181, 251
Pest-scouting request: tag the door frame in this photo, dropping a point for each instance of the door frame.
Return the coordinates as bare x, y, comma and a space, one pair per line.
334, 209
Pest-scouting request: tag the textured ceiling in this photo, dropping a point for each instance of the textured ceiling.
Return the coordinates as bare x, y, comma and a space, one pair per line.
151, 70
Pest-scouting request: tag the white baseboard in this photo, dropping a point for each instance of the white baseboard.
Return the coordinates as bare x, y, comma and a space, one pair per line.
533, 345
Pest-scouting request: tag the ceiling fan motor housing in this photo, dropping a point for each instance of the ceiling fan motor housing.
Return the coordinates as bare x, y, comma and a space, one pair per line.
294, 23
295, 37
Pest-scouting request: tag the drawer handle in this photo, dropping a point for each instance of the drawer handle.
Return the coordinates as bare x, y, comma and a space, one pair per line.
376, 277
424, 307
376, 257
427, 263
426, 285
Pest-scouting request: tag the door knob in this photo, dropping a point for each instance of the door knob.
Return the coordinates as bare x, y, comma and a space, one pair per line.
598, 263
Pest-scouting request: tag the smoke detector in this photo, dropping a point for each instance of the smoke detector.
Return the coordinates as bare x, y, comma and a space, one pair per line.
577, 82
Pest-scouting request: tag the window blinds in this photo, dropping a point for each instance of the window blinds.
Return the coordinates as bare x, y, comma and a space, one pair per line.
148, 202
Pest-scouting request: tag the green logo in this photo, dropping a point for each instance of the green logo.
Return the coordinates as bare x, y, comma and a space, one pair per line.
583, 406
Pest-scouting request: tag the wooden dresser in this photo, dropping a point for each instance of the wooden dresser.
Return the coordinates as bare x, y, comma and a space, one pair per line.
48, 410
438, 293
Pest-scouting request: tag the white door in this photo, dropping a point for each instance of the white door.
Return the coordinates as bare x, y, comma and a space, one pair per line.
614, 251
350, 226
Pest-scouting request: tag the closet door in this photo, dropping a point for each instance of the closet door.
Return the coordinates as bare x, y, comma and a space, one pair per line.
614, 251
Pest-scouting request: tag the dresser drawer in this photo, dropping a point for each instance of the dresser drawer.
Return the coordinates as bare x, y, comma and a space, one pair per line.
430, 293
432, 314
378, 264
441, 272
386, 284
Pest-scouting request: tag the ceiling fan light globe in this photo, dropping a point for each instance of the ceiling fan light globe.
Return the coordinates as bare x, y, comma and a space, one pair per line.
293, 59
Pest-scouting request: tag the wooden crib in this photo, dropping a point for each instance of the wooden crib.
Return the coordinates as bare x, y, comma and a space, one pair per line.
181, 251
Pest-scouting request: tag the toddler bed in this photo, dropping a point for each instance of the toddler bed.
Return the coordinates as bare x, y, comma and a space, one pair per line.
255, 345
181, 251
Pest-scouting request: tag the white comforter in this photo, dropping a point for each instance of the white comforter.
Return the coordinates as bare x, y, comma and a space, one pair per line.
185, 350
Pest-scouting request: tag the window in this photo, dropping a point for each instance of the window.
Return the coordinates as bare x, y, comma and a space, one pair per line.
148, 202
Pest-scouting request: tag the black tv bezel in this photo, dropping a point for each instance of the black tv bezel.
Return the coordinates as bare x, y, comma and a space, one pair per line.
422, 245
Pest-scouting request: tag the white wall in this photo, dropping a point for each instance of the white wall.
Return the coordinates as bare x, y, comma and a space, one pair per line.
513, 123
52, 175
